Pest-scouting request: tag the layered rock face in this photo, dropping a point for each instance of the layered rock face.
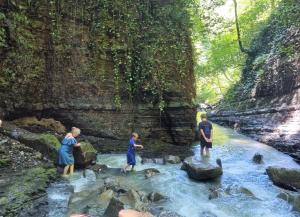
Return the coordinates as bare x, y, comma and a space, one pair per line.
267, 105
104, 66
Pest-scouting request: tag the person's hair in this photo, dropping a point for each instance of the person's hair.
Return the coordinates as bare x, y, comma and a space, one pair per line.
75, 130
134, 135
203, 115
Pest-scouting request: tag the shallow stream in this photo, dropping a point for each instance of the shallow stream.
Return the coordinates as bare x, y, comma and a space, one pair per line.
187, 197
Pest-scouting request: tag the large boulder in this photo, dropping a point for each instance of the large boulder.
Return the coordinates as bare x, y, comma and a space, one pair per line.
84, 155
201, 170
45, 143
285, 178
40, 125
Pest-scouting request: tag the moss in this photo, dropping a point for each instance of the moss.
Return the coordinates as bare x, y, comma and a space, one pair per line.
4, 162
48, 123
87, 147
50, 140
30, 185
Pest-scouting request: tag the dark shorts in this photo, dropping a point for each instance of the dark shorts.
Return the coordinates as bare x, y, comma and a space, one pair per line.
205, 144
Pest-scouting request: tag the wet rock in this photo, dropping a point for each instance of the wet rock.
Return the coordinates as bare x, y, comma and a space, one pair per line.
137, 199
155, 196
84, 155
160, 161
258, 158
200, 170
97, 168
151, 172
167, 213
214, 194
24, 190
246, 191
172, 159
285, 178
114, 207
291, 198
45, 143
111, 183
106, 196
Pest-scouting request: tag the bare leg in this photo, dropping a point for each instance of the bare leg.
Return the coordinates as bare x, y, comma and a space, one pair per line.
125, 168
202, 151
71, 169
207, 152
66, 169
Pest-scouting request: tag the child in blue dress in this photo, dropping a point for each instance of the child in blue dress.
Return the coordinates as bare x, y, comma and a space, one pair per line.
131, 151
65, 152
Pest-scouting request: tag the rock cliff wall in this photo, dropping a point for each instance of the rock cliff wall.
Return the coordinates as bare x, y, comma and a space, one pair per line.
267, 103
104, 66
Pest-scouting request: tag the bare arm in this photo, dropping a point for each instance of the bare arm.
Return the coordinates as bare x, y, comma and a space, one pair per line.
77, 145
138, 146
211, 135
203, 135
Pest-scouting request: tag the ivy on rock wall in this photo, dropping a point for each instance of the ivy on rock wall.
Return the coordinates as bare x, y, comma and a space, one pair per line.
142, 47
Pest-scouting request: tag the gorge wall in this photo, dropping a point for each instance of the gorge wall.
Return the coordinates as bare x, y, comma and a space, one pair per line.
266, 103
108, 67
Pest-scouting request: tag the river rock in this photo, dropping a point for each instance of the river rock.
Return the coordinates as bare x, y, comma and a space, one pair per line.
106, 196
258, 158
167, 213
160, 161
151, 172
291, 198
114, 207
285, 178
172, 159
137, 199
155, 196
200, 170
84, 155
99, 168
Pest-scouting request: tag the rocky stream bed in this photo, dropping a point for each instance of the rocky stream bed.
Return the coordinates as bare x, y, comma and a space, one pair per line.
30, 185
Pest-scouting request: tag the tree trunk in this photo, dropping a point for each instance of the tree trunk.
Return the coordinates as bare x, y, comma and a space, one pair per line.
244, 50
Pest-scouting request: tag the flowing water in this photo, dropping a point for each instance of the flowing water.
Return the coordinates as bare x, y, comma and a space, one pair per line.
190, 198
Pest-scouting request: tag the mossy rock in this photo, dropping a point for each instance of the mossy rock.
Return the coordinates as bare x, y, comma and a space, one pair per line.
84, 155
26, 188
4, 162
87, 147
46, 123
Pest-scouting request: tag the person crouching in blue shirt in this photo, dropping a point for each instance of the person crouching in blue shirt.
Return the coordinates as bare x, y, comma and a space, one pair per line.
131, 151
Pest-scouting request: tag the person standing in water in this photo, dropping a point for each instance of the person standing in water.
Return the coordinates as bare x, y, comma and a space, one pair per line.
131, 152
66, 157
206, 135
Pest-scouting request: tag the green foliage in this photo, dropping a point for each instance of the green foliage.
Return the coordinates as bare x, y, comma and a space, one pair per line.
148, 43
50, 140
222, 62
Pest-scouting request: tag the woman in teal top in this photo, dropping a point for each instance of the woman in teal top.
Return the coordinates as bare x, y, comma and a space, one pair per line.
66, 157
